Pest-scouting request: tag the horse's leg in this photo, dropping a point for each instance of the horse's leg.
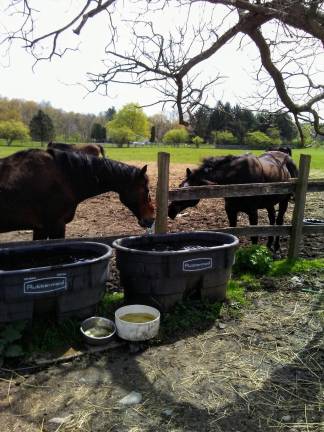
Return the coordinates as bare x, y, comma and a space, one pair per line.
272, 220
283, 205
231, 215
57, 231
253, 219
40, 234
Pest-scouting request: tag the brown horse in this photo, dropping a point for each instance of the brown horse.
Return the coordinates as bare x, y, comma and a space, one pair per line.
273, 166
91, 149
40, 190
283, 149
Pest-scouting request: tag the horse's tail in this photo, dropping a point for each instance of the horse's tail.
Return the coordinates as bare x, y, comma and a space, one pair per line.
292, 167
293, 171
102, 150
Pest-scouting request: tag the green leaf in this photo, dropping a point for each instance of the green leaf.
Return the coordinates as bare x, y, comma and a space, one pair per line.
10, 334
14, 351
19, 325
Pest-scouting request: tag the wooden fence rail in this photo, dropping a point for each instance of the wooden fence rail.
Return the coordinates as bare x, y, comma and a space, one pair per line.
299, 187
248, 189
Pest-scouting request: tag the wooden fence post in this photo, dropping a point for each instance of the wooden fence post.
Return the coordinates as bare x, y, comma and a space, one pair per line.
162, 193
299, 208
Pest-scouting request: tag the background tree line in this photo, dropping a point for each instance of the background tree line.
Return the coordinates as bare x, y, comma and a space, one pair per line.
64, 126
223, 125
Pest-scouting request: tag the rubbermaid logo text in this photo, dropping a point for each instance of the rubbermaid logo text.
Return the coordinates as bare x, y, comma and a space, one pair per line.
197, 264
45, 285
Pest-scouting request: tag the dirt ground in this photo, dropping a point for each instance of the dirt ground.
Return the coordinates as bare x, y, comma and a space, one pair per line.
256, 369
259, 371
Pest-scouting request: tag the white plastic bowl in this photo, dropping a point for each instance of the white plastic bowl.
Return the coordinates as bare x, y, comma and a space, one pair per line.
137, 331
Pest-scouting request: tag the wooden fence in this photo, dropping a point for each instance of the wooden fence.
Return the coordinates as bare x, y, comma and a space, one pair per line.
299, 187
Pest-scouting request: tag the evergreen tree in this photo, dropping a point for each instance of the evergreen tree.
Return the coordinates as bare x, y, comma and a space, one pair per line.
242, 121
152, 137
200, 122
109, 114
98, 132
41, 127
286, 126
220, 117
264, 120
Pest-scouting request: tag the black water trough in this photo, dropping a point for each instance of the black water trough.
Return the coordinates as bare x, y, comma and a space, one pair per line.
161, 270
313, 221
67, 278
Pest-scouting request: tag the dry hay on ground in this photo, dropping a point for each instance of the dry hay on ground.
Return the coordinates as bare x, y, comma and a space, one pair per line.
261, 371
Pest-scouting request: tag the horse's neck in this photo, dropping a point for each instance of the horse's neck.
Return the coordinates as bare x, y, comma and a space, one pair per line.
110, 176
224, 176
234, 172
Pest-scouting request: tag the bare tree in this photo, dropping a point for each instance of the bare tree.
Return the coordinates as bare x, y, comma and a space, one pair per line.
288, 34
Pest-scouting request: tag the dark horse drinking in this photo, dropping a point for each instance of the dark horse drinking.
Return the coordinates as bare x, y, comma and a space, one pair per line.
273, 166
40, 190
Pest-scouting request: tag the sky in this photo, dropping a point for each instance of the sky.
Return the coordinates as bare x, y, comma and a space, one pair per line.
62, 81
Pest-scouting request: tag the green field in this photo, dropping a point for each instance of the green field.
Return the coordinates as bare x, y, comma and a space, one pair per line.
183, 154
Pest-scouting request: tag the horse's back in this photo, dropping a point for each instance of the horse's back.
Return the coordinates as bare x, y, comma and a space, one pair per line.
34, 190
60, 146
277, 166
23, 165
91, 149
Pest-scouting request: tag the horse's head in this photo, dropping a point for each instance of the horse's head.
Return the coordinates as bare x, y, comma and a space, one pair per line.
137, 198
193, 178
283, 149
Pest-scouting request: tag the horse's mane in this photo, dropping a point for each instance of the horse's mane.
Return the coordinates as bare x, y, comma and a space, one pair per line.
85, 165
213, 163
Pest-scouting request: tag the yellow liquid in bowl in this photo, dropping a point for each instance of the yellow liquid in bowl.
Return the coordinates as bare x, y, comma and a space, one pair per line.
98, 331
137, 317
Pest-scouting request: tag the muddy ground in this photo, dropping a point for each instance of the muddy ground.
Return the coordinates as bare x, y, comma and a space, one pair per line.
258, 368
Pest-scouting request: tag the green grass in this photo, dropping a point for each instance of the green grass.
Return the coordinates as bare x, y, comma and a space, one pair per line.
183, 155
236, 292
188, 316
283, 267
46, 336
194, 156
109, 303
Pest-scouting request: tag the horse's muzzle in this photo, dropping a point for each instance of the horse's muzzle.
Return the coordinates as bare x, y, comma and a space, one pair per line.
146, 223
173, 210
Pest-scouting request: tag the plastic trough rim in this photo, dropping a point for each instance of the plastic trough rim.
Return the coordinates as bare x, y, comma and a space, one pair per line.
116, 244
313, 221
135, 324
108, 254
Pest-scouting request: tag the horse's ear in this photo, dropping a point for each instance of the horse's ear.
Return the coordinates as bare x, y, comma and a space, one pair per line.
143, 170
188, 172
